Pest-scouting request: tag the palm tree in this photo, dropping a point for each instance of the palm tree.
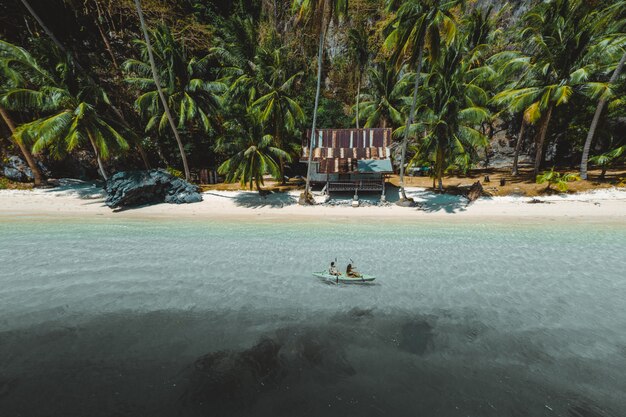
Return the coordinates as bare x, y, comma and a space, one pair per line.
157, 84
557, 37
453, 106
319, 14
72, 114
617, 15
252, 150
419, 25
16, 71
359, 50
386, 96
194, 99
237, 48
76, 123
596, 118
277, 108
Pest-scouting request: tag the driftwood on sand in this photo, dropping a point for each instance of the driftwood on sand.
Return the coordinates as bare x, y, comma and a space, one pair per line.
475, 191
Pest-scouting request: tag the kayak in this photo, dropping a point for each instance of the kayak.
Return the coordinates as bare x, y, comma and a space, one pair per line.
344, 279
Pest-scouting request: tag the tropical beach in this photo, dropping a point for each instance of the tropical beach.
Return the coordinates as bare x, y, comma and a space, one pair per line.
85, 201
321, 208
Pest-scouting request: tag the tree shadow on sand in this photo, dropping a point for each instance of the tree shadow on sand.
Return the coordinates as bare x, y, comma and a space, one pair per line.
253, 199
82, 189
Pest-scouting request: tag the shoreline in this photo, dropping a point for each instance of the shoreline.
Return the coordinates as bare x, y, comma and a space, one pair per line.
86, 202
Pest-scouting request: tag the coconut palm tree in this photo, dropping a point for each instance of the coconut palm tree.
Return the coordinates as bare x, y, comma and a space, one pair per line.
419, 25
73, 113
557, 37
237, 48
76, 123
616, 16
318, 14
453, 105
194, 99
359, 52
596, 117
252, 150
275, 84
387, 94
18, 69
157, 83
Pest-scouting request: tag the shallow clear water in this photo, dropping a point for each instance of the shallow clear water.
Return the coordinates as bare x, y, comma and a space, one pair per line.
134, 318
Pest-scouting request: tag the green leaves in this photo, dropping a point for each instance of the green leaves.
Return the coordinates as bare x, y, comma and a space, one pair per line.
192, 96
557, 179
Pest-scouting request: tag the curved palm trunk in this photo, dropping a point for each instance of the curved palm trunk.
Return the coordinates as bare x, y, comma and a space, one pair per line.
518, 147
27, 155
596, 119
279, 143
54, 38
155, 76
320, 52
95, 150
409, 122
543, 130
358, 93
79, 67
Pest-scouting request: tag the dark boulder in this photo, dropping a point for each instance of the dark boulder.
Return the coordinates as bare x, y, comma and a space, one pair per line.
16, 169
135, 188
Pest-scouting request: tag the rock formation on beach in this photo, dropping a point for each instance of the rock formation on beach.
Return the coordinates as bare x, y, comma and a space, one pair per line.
135, 188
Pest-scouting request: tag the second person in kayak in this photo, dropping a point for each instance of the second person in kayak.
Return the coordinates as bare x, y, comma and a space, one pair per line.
352, 272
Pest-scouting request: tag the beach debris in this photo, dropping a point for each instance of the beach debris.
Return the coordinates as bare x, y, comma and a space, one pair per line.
475, 191
537, 201
135, 188
406, 202
306, 200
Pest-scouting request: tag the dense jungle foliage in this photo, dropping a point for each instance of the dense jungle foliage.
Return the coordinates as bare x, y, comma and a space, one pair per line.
78, 91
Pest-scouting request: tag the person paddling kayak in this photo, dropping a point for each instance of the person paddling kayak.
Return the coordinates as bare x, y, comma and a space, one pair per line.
352, 272
333, 270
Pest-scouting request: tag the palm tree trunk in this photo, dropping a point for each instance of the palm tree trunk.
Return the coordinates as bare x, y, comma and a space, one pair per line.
144, 156
518, 147
320, 54
95, 150
358, 93
80, 68
155, 76
439, 168
54, 38
107, 44
258, 184
596, 119
543, 130
409, 121
27, 155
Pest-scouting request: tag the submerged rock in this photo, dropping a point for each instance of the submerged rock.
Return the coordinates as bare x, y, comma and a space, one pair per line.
227, 382
135, 188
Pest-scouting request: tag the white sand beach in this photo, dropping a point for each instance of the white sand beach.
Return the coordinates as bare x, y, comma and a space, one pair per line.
79, 200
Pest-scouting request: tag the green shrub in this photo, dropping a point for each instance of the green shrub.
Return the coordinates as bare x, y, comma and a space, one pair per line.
175, 172
557, 179
4, 183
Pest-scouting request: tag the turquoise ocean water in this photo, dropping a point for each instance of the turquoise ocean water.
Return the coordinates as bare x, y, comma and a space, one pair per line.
190, 318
